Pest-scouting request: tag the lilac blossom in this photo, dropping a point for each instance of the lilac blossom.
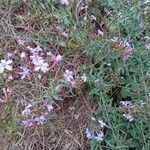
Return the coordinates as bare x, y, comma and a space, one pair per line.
27, 111
35, 50
5, 65
65, 34
58, 58
52, 55
92, 118
93, 17
146, 9
126, 103
100, 33
41, 65
23, 54
24, 73
91, 135
49, 108
147, 1
147, 37
99, 136
84, 78
128, 110
27, 123
88, 134
35, 57
73, 82
20, 41
10, 78
128, 117
142, 103
147, 46
102, 123
68, 75
8, 55
40, 120
64, 2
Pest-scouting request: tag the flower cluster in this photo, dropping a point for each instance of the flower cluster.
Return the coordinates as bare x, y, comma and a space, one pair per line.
123, 48
95, 132
36, 115
34, 60
72, 78
129, 110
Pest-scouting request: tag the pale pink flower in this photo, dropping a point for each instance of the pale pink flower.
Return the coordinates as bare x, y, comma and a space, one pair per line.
84, 7
100, 33
146, 10
23, 54
72, 82
107, 64
147, 46
84, 78
99, 136
64, 2
93, 17
8, 55
36, 49
19, 40
128, 117
148, 74
146, 2
49, 53
68, 75
56, 61
27, 110
92, 118
10, 78
1, 101
115, 39
27, 123
102, 123
89, 134
39, 76
5, 65
35, 57
49, 108
40, 65
85, 18
8, 90
24, 73
147, 37
40, 120
58, 58
65, 34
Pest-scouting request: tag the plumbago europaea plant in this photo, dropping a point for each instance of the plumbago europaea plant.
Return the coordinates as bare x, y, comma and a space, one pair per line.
31, 65
121, 73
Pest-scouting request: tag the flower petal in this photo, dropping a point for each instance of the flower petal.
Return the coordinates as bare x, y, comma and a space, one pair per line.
37, 69
9, 62
1, 69
8, 67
